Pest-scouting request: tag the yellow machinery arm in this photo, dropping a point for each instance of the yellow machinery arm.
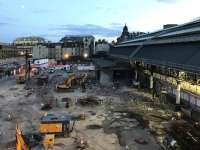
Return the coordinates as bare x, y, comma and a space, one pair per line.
68, 82
20, 143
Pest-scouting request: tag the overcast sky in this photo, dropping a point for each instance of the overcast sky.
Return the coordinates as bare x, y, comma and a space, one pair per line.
53, 19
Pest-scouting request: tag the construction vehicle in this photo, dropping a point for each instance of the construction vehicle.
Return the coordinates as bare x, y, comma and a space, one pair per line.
20, 143
51, 126
67, 84
59, 125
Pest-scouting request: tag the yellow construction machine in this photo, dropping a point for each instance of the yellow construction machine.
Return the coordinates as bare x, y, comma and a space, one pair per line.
20, 143
51, 126
67, 84
59, 125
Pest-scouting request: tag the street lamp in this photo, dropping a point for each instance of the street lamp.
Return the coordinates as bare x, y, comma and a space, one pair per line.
22, 53
66, 56
85, 55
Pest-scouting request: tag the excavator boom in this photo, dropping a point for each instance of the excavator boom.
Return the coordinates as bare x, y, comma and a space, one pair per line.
20, 143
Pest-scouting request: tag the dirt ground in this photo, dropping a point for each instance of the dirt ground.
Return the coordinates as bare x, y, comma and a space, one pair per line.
118, 117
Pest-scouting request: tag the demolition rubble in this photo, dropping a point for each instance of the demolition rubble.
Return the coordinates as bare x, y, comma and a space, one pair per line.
91, 116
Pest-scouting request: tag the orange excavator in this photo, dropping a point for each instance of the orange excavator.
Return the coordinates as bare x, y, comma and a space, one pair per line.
67, 84
20, 143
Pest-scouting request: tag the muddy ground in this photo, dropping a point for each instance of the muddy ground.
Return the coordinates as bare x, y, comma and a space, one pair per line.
123, 117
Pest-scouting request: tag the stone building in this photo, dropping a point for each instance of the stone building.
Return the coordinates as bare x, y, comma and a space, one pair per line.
40, 52
10, 53
29, 41
102, 46
26, 44
79, 44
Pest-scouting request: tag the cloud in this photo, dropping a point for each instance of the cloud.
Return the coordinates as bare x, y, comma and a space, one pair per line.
89, 29
99, 8
8, 19
168, 1
39, 11
4, 23
117, 26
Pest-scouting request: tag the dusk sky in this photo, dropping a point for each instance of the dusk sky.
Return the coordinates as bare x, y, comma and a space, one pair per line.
52, 19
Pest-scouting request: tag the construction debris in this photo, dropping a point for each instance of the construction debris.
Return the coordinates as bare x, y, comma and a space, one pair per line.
141, 141
81, 143
94, 126
186, 135
113, 118
89, 101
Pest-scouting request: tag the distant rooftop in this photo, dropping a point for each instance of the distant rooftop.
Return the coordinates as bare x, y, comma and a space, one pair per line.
79, 36
75, 37
30, 38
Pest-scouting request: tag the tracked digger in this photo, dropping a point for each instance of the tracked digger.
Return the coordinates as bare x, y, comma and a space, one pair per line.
68, 83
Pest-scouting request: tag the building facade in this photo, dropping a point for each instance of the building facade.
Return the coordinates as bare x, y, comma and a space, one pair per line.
26, 44
102, 46
79, 44
29, 41
9, 54
166, 62
40, 52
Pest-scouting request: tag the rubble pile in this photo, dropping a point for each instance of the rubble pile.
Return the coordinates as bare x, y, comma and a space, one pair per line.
89, 101
94, 126
45, 97
186, 135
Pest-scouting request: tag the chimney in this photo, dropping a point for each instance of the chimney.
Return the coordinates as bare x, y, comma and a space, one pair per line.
166, 26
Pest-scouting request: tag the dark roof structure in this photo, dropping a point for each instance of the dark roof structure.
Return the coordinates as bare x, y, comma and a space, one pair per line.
182, 56
176, 47
101, 63
75, 38
187, 29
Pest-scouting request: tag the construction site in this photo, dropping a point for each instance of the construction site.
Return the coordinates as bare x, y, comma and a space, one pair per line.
140, 92
97, 117
68, 110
